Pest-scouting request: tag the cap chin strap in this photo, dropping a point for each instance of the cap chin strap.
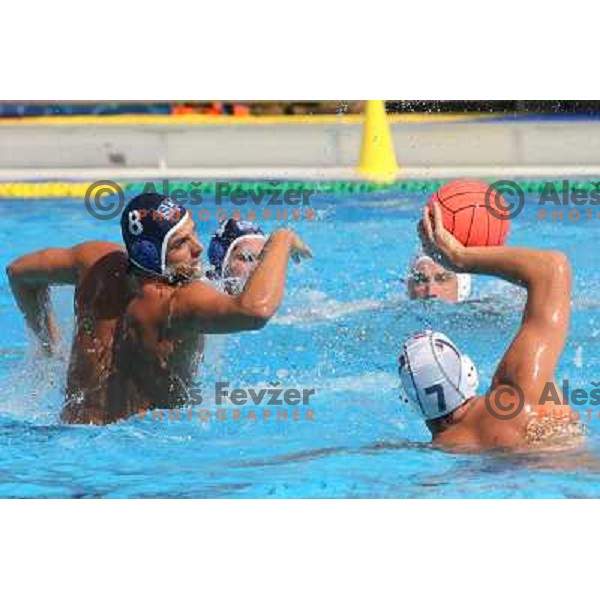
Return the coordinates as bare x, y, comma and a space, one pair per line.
170, 278
145, 269
165, 242
165, 274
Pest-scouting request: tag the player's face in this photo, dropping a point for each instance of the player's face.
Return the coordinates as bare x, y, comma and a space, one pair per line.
430, 280
244, 258
184, 250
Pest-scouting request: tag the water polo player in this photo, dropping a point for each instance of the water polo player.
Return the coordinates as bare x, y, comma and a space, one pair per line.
428, 280
234, 252
441, 382
141, 311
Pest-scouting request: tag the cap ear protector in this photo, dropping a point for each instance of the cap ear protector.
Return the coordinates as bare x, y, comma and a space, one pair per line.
464, 286
436, 377
145, 253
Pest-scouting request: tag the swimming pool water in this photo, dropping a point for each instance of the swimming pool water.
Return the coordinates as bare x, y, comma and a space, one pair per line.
338, 331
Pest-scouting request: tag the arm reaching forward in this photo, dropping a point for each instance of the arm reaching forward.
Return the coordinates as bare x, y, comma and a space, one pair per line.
261, 297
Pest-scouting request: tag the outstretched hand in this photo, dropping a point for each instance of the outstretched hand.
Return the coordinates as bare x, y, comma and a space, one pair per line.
437, 241
299, 249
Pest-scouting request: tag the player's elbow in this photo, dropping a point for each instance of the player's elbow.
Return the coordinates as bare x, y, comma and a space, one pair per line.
559, 266
256, 323
258, 314
10, 271
17, 271
554, 275
14, 271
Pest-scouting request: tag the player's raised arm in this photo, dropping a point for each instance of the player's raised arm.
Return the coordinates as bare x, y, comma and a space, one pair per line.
531, 358
262, 295
31, 275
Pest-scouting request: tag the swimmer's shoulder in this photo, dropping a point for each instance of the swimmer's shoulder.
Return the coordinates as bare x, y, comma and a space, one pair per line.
89, 254
520, 431
479, 429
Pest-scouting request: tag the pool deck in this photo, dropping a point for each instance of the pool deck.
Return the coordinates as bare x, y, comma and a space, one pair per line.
306, 148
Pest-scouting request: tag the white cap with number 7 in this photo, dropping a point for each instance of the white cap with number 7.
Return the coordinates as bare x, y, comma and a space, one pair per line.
435, 375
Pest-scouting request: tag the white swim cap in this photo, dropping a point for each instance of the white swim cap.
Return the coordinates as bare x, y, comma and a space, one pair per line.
464, 286
463, 279
234, 244
436, 377
235, 285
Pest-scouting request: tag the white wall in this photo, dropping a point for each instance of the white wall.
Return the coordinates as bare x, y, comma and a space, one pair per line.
452, 144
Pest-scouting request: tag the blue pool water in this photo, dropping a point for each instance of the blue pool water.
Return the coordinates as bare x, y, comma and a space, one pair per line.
338, 331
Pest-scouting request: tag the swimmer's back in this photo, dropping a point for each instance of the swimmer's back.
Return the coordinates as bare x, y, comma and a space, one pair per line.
126, 353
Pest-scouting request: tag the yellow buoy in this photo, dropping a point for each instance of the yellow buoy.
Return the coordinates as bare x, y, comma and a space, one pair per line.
377, 154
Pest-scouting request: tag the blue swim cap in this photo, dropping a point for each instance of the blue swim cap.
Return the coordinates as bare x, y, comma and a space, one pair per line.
147, 223
221, 242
